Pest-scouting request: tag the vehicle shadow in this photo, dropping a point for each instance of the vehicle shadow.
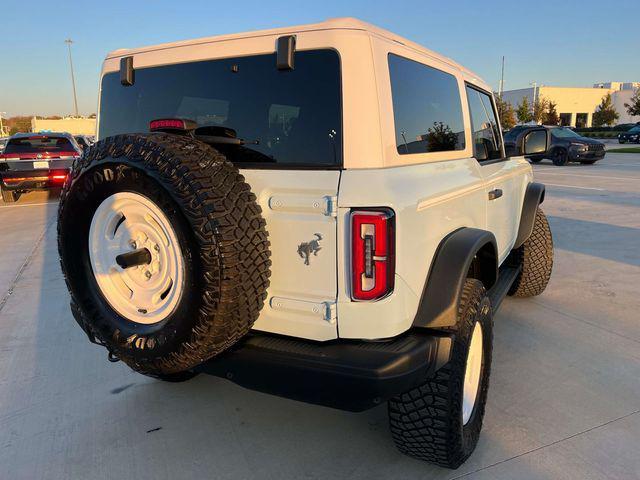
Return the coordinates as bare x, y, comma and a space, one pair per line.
594, 239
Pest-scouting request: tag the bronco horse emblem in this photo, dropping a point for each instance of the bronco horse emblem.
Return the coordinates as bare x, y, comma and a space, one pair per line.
305, 249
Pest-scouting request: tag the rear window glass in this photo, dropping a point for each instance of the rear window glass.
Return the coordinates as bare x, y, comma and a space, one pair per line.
39, 144
290, 117
427, 109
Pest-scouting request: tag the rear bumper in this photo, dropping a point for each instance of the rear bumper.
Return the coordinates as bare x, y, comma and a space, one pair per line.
33, 179
348, 375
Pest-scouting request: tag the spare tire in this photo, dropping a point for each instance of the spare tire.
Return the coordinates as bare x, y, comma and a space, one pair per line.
164, 250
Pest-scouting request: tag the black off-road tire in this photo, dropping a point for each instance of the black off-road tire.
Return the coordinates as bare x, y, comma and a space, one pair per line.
9, 196
426, 422
535, 256
220, 231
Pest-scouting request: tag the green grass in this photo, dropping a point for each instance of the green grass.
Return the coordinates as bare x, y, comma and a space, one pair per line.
625, 150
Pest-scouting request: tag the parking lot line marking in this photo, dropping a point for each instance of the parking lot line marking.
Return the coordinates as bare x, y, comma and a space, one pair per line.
28, 205
573, 186
588, 176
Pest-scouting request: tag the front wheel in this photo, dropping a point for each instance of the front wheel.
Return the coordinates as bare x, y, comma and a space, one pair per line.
560, 157
535, 258
440, 421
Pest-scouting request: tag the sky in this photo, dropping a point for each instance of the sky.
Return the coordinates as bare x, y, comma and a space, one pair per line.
559, 43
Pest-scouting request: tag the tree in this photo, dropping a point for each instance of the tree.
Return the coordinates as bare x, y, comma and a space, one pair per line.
550, 116
523, 112
440, 137
605, 114
633, 108
539, 107
506, 113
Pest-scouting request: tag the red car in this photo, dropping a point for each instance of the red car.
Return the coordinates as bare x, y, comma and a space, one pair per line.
36, 161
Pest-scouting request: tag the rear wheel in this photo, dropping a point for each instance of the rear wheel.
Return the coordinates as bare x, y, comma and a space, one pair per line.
164, 250
9, 196
440, 421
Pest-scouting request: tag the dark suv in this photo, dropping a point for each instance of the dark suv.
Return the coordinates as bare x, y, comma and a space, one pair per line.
36, 161
630, 136
565, 145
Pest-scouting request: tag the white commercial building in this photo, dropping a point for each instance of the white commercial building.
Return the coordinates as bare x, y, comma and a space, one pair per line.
575, 105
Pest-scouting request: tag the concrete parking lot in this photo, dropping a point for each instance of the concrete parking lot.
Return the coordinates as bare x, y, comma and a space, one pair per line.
564, 401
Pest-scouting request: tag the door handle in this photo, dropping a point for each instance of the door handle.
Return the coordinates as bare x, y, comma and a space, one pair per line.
496, 193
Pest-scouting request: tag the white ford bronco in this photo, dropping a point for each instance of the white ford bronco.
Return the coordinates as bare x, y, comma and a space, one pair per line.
323, 212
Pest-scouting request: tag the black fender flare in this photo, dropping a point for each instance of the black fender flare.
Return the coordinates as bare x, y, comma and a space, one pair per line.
533, 197
449, 269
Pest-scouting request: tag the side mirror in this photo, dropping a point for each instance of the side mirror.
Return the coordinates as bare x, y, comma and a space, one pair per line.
530, 142
535, 142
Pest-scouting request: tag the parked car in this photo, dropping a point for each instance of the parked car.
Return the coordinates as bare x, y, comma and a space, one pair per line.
84, 141
630, 136
565, 145
335, 224
36, 161
3, 143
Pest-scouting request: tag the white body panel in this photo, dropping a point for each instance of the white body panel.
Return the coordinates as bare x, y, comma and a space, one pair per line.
432, 194
426, 212
297, 205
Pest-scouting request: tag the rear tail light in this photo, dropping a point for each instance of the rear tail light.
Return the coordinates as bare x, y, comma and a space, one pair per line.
372, 254
58, 177
172, 125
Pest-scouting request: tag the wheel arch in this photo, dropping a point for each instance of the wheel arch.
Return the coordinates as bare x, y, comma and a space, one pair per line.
464, 253
533, 197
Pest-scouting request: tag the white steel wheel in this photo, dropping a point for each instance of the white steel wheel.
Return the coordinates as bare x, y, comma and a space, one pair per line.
472, 373
136, 258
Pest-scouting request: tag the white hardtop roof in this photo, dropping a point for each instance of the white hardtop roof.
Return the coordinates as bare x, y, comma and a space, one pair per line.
343, 23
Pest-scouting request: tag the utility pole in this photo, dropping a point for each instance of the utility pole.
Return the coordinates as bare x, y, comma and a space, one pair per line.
68, 41
501, 80
535, 85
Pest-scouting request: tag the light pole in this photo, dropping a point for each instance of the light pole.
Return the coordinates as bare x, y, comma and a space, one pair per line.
535, 85
68, 41
501, 80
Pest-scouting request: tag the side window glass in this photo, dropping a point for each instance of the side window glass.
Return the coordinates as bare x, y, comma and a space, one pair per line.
427, 109
487, 142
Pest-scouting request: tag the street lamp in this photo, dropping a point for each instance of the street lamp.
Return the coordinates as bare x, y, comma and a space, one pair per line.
68, 41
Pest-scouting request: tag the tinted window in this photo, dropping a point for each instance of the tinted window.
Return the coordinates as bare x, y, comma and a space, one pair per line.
487, 141
286, 117
563, 133
426, 108
39, 144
